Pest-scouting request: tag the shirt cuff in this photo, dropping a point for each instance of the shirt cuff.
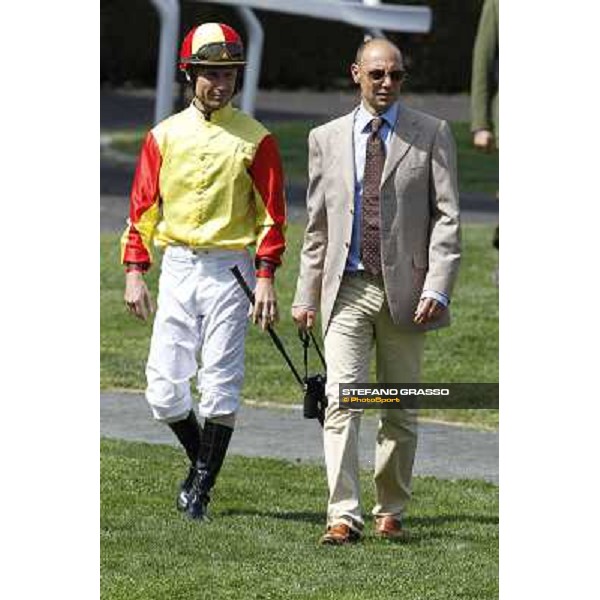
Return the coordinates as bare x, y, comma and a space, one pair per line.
140, 267
265, 268
439, 296
305, 307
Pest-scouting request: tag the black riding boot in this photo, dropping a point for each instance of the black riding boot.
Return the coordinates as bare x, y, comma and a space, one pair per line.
189, 433
213, 447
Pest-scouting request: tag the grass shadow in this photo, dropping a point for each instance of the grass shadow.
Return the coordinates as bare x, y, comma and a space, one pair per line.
420, 529
443, 520
314, 518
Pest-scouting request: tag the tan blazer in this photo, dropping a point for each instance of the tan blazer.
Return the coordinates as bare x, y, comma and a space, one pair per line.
420, 231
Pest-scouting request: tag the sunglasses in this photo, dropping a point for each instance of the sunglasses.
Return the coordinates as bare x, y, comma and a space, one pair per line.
377, 75
220, 51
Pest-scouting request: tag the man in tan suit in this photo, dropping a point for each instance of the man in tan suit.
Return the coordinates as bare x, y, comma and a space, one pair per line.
380, 256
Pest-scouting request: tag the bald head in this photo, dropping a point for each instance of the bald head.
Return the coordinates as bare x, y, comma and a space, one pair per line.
377, 45
379, 71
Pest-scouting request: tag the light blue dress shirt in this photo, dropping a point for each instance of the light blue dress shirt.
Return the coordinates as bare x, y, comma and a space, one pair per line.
362, 130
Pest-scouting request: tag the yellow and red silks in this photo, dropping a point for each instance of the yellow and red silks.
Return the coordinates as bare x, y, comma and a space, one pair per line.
207, 184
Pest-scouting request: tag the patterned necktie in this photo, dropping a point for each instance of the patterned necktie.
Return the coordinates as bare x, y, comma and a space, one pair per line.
370, 244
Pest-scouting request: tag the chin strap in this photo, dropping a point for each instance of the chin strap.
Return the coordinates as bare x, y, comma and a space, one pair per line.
201, 109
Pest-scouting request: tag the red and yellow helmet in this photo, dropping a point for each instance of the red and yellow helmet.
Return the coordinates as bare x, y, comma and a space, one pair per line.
212, 44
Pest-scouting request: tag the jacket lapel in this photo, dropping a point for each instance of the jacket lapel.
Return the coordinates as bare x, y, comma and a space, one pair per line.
405, 131
344, 145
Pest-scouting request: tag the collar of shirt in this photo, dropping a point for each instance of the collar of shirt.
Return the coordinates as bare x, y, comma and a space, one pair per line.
363, 118
217, 116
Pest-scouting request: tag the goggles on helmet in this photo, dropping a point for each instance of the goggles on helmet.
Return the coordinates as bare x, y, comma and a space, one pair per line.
218, 53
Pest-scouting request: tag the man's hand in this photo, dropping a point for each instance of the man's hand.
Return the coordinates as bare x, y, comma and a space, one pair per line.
428, 310
484, 140
137, 296
304, 317
265, 303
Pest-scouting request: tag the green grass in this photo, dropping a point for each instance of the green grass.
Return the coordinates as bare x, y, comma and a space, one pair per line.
478, 172
463, 353
262, 542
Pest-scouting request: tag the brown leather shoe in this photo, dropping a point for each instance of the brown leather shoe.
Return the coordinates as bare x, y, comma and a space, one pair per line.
390, 528
339, 534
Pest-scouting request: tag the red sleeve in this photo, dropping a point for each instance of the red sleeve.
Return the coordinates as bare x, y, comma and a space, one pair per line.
143, 213
267, 174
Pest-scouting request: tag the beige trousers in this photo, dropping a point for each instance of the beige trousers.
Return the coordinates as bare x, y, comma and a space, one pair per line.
361, 320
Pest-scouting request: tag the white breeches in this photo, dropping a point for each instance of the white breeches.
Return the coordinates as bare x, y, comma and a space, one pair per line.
201, 310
